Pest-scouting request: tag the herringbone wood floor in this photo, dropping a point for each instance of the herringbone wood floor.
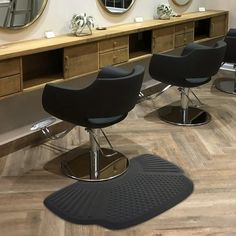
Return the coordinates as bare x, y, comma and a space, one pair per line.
206, 153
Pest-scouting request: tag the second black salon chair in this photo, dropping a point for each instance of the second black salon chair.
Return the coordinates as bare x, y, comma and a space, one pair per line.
226, 84
105, 102
194, 67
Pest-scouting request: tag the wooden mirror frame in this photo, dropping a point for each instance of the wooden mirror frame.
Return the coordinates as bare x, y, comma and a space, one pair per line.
181, 2
40, 12
105, 8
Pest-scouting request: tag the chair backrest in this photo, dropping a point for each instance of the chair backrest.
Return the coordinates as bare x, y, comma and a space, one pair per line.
230, 39
204, 61
196, 62
122, 91
107, 96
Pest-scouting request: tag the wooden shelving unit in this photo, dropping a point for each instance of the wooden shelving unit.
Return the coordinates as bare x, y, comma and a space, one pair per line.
30, 64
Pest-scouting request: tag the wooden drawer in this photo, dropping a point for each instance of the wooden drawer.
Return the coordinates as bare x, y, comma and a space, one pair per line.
9, 67
113, 57
163, 39
183, 28
114, 43
80, 59
10, 85
183, 39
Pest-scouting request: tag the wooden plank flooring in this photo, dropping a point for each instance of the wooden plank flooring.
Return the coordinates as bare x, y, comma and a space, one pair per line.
207, 154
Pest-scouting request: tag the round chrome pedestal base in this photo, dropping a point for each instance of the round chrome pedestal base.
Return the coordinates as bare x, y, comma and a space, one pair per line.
78, 166
174, 115
226, 85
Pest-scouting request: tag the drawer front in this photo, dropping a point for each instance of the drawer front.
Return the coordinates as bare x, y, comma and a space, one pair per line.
189, 37
9, 67
183, 39
81, 59
10, 85
179, 40
182, 28
218, 26
114, 43
113, 57
163, 39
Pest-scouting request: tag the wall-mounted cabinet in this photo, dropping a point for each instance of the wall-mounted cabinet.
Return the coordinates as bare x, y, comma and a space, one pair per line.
31, 64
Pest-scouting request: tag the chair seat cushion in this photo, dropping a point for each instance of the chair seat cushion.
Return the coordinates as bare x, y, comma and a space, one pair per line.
198, 80
185, 82
105, 121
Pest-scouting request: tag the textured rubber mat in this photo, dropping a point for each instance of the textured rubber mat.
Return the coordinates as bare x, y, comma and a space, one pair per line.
149, 187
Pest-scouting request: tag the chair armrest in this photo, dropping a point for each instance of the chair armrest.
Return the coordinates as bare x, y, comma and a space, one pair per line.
57, 98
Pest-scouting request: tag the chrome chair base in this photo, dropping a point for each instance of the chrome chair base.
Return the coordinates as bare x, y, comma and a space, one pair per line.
176, 115
79, 166
226, 85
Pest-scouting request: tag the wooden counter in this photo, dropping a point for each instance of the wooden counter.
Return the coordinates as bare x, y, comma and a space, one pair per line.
65, 57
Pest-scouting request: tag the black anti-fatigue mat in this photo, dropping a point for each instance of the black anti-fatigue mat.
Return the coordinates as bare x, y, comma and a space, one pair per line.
149, 187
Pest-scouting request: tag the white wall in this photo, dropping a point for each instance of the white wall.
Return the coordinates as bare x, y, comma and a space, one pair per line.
229, 5
58, 13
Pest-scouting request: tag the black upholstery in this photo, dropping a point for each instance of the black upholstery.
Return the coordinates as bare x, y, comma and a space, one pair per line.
230, 39
105, 102
228, 85
192, 68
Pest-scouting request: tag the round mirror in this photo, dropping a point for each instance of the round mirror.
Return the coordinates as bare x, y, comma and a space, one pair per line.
181, 2
116, 6
17, 14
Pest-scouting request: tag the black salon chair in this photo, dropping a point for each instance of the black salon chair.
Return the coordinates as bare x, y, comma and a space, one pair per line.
194, 67
229, 85
105, 102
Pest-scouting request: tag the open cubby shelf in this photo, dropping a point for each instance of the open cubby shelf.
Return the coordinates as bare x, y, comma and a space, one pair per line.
40, 68
202, 29
42, 80
140, 44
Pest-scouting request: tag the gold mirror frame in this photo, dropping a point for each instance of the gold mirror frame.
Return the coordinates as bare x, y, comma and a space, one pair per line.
40, 12
181, 3
107, 10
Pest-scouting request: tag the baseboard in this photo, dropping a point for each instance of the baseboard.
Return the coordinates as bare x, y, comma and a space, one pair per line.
27, 138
